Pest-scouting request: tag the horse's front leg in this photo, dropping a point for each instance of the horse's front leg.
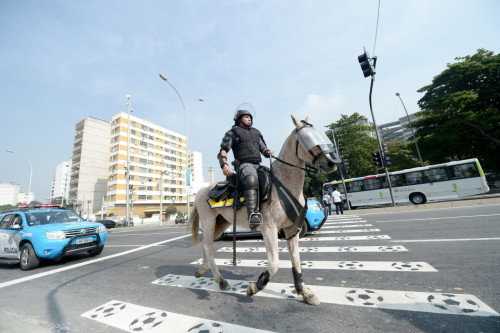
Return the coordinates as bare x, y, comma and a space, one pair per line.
300, 286
270, 235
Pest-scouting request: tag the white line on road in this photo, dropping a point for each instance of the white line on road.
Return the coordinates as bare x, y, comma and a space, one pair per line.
62, 269
392, 266
442, 303
443, 240
324, 249
325, 239
345, 226
136, 318
439, 218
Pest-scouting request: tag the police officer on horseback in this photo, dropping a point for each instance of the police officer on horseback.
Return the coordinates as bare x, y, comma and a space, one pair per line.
247, 144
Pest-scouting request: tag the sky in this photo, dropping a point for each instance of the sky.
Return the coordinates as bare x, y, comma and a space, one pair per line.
62, 61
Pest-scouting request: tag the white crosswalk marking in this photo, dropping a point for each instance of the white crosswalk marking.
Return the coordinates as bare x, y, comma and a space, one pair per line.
323, 249
399, 266
344, 226
442, 303
135, 318
324, 239
351, 230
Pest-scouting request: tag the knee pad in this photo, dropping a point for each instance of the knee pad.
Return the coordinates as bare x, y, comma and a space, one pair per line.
252, 182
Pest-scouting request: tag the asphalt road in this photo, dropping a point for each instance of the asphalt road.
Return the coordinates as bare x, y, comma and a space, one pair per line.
426, 270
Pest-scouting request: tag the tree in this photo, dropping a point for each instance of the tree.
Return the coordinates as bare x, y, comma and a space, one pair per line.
402, 156
460, 114
358, 144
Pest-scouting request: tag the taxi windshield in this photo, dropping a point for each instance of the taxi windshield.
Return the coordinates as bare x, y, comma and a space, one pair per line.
40, 218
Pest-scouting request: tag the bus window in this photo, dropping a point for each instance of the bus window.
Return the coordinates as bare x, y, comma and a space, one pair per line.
355, 186
463, 170
372, 184
413, 178
397, 180
435, 175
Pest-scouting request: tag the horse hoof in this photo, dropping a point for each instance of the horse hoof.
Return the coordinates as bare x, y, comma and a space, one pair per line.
197, 275
224, 285
250, 290
312, 299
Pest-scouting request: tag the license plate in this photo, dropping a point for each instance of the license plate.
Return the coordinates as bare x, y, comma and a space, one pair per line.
83, 240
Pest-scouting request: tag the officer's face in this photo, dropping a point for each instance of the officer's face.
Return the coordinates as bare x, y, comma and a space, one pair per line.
246, 120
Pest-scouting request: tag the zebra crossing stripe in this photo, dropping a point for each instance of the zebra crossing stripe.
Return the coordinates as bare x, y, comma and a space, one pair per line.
349, 231
136, 318
345, 226
395, 248
441, 303
344, 222
325, 239
389, 266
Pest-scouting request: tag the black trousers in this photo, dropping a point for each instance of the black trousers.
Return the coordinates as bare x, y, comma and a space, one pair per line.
339, 205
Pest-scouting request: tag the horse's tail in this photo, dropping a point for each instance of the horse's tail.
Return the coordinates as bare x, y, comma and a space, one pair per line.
194, 225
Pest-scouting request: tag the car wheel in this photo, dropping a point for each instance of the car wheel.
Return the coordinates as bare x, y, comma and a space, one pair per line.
97, 251
304, 230
29, 259
418, 198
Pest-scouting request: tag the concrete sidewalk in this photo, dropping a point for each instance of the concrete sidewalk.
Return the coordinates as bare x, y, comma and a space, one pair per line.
465, 202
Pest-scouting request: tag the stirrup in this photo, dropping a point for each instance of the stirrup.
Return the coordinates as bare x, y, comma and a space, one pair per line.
254, 220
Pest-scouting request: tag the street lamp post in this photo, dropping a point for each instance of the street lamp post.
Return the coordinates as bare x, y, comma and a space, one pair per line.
127, 164
31, 169
412, 131
188, 171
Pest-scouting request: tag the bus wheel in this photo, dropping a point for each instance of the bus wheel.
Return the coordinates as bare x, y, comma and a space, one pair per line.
418, 198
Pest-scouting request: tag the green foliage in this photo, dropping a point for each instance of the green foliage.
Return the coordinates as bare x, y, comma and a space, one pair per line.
402, 155
171, 209
460, 114
358, 144
5, 208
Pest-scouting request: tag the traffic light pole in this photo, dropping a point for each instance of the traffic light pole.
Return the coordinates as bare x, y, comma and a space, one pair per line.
382, 154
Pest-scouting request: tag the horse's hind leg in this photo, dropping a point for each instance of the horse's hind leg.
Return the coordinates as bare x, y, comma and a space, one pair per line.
209, 261
300, 286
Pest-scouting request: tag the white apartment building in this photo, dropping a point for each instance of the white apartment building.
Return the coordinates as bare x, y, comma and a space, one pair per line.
157, 163
89, 168
9, 194
60, 181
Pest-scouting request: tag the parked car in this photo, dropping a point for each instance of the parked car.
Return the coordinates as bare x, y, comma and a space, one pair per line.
108, 223
315, 218
46, 231
181, 218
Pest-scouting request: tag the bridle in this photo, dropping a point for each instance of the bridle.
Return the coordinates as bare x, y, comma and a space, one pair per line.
309, 137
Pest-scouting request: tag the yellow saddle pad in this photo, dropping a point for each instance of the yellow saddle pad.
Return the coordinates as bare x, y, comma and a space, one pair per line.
223, 203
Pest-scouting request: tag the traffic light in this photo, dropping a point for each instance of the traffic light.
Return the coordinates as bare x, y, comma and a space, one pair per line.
388, 161
384, 147
366, 66
340, 147
345, 163
377, 159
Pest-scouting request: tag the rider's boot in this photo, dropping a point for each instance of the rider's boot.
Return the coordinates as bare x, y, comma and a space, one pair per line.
252, 201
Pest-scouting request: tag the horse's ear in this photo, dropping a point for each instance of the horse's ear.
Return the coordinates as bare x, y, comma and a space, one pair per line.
298, 123
308, 120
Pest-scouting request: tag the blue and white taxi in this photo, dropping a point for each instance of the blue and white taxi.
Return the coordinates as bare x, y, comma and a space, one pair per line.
46, 231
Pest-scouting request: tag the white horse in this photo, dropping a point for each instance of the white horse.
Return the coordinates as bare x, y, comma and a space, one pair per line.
305, 143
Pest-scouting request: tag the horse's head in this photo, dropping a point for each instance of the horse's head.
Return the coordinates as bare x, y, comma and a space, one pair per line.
317, 146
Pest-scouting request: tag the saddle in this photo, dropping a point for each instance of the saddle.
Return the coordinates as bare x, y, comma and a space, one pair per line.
224, 192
